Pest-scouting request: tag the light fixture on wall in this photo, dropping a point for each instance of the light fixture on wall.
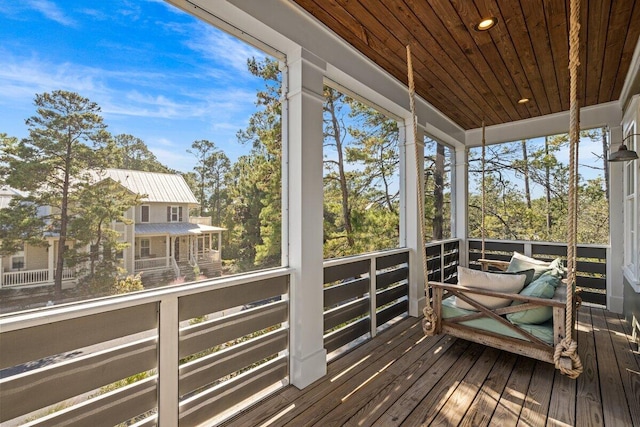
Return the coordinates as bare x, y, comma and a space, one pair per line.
624, 154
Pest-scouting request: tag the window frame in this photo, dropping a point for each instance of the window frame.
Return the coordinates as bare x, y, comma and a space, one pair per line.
144, 208
145, 245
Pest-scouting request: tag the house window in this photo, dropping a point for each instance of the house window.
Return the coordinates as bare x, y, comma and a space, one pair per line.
17, 262
144, 213
17, 259
174, 214
145, 248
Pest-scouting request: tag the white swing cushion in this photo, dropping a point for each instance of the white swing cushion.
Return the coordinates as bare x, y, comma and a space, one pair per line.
508, 283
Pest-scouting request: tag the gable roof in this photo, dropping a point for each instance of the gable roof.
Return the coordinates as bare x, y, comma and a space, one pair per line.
6, 194
158, 187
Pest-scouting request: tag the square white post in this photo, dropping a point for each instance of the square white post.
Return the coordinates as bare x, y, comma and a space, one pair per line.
412, 177
461, 195
303, 107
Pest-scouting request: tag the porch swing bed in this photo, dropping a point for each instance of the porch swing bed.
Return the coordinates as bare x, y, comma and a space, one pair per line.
530, 322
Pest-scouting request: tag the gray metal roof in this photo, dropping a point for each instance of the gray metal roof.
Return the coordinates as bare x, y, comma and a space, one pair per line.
6, 194
158, 187
174, 229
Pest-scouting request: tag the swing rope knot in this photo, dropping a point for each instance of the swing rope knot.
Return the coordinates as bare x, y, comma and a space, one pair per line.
429, 322
566, 358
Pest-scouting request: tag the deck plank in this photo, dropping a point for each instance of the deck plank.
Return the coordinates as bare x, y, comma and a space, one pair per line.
510, 404
436, 398
400, 410
401, 378
481, 409
616, 412
629, 366
536, 404
315, 408
371, 409
278, 406
588, 399
454, 410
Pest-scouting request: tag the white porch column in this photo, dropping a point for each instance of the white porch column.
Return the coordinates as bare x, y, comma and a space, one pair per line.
167, 250
303, 88
50, 260
410, 220
615, 258
461, 216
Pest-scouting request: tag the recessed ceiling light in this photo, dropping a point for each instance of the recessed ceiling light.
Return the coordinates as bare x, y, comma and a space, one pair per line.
523, 100
486, 24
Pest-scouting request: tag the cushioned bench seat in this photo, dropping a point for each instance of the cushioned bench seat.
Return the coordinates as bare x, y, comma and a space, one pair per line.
543, 331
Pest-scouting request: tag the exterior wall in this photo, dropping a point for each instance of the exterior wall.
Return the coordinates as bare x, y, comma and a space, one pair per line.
157, 246
632, 309
36, 257
158, 212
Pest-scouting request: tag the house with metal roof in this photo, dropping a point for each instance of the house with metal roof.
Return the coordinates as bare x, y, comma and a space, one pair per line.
165, 242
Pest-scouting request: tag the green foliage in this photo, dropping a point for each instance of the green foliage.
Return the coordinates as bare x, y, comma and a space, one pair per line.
507, 213
132, 153
131, 283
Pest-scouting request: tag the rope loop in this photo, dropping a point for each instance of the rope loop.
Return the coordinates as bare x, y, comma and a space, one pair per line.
566, 358
429, 322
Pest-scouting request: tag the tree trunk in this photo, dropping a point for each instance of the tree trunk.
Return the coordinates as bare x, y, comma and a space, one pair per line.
438, 193
547, 186
344, 190
64, 207
605, 162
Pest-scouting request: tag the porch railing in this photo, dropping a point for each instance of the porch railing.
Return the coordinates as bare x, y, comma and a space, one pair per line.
33, 277
362, 293
150, 263
591, 274
177, 355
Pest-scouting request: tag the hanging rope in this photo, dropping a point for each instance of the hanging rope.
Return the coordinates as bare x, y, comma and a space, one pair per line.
566, 355
484, 143
430, 319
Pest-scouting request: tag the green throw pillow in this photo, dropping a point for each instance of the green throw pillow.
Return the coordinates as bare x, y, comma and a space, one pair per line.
543, 287
521, 262
528, 273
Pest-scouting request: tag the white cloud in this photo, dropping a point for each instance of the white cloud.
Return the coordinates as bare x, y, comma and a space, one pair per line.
222, 48
51, 11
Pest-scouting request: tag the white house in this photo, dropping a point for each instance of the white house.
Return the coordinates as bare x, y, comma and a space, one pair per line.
162, 236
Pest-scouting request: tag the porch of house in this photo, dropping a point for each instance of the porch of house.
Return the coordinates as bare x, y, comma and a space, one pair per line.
402, 377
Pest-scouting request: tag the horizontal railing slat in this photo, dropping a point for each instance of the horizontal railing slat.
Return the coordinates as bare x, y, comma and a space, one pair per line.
211, 333
196, 305
393, 276
391, 260
346, 312
345, 291
337, 339
212, 402
61, 381
496, 246
388, 313
31, 344
591, 282
110, 409
208, 369
346, 271
391, 294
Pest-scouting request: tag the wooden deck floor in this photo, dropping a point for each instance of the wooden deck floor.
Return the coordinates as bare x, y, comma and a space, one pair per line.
403, 379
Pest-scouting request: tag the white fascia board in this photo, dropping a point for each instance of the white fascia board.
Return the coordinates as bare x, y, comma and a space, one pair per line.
608, 114
284, 27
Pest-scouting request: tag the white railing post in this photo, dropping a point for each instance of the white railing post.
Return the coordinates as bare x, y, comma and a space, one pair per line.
168, 362
373, 303
442, 262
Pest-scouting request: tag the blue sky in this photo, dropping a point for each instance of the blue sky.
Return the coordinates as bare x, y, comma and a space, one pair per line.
157, 72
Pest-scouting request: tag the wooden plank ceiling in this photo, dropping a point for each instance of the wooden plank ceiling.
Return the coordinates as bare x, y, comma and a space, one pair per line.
470, 75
